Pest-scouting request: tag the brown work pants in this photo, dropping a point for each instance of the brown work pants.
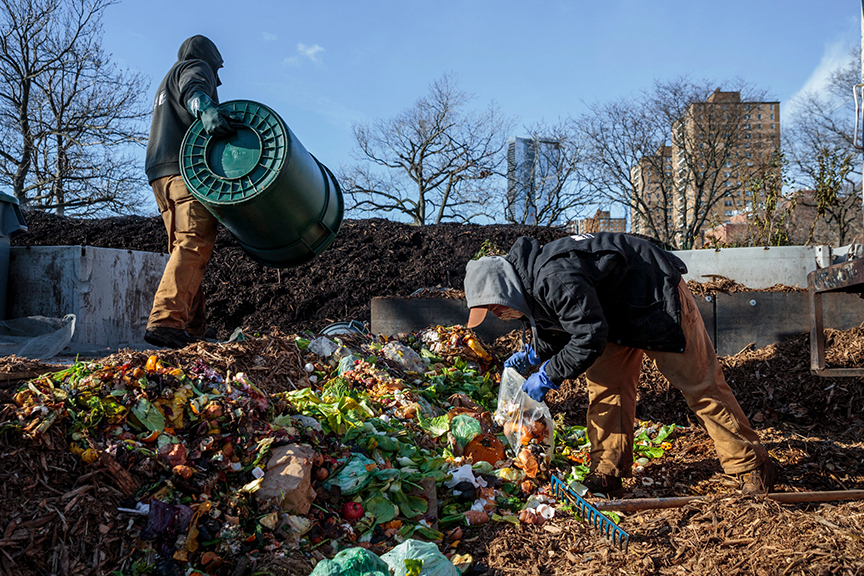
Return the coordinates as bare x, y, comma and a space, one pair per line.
612, 381
179, 301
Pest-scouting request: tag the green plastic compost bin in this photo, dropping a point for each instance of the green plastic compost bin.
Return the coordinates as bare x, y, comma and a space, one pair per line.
283, 206
11, 224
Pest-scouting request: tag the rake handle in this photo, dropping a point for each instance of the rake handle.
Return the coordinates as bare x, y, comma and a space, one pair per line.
676, 502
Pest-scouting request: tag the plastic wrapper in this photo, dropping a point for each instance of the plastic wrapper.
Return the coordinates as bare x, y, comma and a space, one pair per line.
36, 337
354, 476
346, 364
527, 424
404, 356
323, 347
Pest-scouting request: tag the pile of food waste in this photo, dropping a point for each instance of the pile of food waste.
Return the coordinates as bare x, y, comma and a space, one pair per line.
394, 440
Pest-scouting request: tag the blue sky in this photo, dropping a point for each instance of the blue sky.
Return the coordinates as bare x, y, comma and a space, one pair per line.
324, 65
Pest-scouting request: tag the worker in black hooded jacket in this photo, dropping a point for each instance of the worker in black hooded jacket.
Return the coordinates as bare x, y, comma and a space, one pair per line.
596, 303
188, 92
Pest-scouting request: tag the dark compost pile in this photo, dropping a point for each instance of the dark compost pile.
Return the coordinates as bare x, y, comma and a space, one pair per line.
368, 258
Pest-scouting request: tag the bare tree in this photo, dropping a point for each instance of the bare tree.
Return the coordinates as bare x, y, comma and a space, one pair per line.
819, 139
690, 137
542, 187
618, 136
770, 220
821, 121
67, 115
840, 224
433, 162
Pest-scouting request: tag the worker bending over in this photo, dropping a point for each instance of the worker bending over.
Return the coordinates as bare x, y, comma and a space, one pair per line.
596, 303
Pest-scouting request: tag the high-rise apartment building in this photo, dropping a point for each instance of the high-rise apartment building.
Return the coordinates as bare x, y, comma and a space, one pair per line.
654, 187
717, 149
601, 222
531, 164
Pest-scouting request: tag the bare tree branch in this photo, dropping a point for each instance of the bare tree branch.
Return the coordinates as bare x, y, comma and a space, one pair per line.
66, 112
433, 162
713, 156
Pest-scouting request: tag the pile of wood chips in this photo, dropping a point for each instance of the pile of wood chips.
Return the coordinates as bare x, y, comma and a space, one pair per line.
719, 283
723, 535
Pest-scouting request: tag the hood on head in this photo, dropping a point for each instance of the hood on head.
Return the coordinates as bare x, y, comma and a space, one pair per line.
493, 280
200, 48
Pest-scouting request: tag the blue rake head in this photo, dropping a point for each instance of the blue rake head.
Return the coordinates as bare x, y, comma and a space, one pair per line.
590, 514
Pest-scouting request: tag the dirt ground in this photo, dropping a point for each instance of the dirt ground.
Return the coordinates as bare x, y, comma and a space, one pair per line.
58, 516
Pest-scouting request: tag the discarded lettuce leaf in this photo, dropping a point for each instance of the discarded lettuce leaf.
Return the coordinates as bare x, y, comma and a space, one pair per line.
435, 427
381, 508
148, 415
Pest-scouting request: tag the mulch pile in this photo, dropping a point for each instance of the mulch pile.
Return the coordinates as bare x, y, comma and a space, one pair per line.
717, 283
58, 515
730, 536
368, 258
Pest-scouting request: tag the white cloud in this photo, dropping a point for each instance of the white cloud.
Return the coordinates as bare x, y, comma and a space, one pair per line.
310, 52
268, 37
836, 55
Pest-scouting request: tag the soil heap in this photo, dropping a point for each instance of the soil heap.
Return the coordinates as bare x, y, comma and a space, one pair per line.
368, 258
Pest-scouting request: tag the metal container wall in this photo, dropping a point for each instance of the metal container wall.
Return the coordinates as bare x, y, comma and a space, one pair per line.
110, 291
11, 224
283, 206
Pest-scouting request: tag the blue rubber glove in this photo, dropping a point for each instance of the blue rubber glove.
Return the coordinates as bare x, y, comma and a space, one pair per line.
522, 360
538, 384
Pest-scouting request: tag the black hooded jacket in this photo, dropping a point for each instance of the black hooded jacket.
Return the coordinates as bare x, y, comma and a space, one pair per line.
198, 62
585, 291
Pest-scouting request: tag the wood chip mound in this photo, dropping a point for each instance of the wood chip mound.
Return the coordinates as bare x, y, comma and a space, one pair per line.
272, 361
722, 284
14, 370
730, 536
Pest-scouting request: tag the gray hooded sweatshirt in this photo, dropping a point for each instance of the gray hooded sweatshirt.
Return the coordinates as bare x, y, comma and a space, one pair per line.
493, 280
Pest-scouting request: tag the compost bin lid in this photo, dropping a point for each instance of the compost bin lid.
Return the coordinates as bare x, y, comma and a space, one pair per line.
224, 171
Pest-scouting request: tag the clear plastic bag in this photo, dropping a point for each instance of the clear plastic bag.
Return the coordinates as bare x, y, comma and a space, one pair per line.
36, 337
354, 476
431, 561
405, 356
527, 424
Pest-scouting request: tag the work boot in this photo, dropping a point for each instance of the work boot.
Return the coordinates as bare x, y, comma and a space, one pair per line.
609, 486
759, 480
169, 337
207, 333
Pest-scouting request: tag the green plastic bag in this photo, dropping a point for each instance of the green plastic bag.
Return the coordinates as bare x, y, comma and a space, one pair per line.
464, 428
434, 562
352, 562
354, 476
